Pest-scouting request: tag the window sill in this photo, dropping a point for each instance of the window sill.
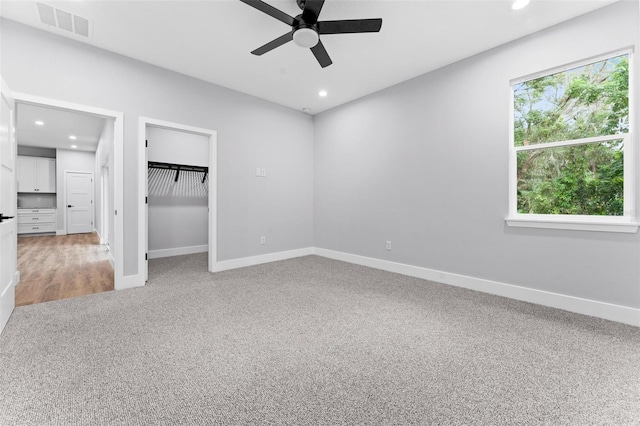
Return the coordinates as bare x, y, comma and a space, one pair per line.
574, 224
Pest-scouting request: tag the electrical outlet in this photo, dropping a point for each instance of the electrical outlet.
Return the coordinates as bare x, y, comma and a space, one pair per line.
263, 172
388, 245
263, 240
258, 172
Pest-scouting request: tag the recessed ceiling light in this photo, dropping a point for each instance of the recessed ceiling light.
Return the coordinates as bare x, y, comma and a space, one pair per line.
307, 110
39, 123
322, 93
519, 4
73, 137
74, 146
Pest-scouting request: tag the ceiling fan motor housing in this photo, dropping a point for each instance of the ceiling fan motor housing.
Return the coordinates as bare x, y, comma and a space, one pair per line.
305, 34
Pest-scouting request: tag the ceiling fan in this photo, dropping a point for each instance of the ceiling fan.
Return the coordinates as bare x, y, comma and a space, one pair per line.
306, 29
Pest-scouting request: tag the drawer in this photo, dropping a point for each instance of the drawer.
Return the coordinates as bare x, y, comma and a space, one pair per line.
36, 228
36, 218
35, 211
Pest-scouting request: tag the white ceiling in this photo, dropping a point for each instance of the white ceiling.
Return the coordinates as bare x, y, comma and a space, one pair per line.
212, 40
58, 125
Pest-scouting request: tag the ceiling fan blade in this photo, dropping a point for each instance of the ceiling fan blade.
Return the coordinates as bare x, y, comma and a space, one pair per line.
273, 44
270, 10
312, 11
321, 55
350, 26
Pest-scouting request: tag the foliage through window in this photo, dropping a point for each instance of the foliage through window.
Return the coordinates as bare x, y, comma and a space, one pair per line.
569, 133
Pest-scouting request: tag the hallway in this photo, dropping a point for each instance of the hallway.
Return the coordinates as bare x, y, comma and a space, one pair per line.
61, 267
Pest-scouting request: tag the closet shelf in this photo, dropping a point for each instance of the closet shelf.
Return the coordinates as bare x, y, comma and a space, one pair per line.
179, 168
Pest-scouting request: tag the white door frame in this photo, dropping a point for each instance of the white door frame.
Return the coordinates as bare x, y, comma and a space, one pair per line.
93, 195
145, 122
118, 170
104, 204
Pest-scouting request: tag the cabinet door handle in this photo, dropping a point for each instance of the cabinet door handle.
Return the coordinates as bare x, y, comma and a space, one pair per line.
69, 205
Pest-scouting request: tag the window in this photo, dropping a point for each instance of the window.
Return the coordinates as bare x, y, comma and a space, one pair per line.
571, 162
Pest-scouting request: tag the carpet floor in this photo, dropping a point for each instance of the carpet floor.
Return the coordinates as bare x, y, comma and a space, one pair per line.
311, 341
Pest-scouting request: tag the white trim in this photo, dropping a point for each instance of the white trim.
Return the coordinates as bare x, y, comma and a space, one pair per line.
608, 224
578, 305
61, 232
118, 170
573, 142
16, 278
260, 259
131, 281
178, 251
143, 123
576, 64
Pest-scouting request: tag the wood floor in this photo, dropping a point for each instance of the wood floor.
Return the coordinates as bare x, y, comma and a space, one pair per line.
60, 267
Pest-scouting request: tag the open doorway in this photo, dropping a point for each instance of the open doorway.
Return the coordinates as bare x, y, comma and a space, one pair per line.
179, 211
61, 251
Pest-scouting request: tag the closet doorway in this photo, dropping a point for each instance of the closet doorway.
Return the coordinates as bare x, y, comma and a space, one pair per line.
180, 198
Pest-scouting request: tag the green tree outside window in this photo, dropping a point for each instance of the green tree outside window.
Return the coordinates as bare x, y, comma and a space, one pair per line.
583, 102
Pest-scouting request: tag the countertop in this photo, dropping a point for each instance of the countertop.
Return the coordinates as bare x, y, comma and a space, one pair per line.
37, 208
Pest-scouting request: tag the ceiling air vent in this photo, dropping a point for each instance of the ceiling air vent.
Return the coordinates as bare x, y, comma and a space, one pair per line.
63, 20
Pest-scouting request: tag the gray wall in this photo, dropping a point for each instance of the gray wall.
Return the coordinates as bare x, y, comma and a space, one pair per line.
425, 165
178, 211
251, 133
71, 161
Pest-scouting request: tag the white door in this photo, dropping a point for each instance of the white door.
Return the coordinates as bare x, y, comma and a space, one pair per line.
8, 206
79, 196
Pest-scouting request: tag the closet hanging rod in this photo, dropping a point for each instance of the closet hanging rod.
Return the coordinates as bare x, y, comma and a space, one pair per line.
179, 168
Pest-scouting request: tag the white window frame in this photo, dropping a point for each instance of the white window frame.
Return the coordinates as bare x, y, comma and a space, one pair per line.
628, 221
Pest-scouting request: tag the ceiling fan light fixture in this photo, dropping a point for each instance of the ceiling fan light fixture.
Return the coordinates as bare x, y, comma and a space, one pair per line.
306, 37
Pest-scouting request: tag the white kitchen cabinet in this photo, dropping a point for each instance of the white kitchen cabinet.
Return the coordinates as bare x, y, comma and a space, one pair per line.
36, 221
36, 174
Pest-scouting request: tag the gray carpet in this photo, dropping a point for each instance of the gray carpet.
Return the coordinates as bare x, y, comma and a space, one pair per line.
311, 341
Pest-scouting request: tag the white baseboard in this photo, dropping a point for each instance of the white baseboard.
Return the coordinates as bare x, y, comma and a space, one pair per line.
129, 281
578, 305
178, 251
16, 278
263, 258
61, 232
101, 240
